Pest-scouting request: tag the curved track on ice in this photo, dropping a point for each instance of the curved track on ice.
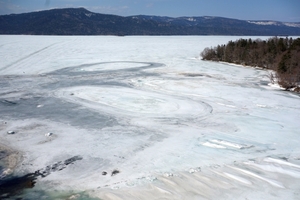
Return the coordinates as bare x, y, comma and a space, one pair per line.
173, 126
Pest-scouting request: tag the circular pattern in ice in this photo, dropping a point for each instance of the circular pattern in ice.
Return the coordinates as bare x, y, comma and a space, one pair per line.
112, 66
128, 101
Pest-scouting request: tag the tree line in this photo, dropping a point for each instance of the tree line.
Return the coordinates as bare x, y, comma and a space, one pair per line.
282, 55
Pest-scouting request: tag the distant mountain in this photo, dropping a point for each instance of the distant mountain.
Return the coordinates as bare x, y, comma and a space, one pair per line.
79, 21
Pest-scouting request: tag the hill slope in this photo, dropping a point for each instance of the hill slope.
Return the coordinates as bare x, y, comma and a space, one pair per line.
79, 21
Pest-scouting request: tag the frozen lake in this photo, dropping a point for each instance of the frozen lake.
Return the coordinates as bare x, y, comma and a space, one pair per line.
104, 117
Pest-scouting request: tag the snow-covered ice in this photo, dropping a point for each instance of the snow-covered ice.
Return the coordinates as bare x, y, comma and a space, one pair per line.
144, 118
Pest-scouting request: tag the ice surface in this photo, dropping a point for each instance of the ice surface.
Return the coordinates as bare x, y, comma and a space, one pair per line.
127, 101
174, 126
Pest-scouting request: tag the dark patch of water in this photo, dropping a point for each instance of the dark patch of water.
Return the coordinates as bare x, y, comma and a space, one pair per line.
14, 186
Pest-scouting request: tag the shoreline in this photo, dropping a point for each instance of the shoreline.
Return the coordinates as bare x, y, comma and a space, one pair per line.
273, 85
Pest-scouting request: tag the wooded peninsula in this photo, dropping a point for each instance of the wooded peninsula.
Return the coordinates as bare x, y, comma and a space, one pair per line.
282, 55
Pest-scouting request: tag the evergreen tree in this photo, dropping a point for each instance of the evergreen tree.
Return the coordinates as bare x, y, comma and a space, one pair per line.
279, 54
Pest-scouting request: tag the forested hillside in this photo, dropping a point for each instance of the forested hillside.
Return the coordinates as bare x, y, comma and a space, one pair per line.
79, 21
279, 54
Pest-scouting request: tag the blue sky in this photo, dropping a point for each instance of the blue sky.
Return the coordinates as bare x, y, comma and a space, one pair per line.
279, 10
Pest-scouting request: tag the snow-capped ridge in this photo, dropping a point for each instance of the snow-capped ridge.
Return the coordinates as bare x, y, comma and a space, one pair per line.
291, 24
275, 23
264, 22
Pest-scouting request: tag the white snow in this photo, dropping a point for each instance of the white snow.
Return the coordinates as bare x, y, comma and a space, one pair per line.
141, 105
272, 182
191, 19
274, 168
240, 179
208, 144
88, 14
263, 22
229, 144
127, 101
292, 24
272, 160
